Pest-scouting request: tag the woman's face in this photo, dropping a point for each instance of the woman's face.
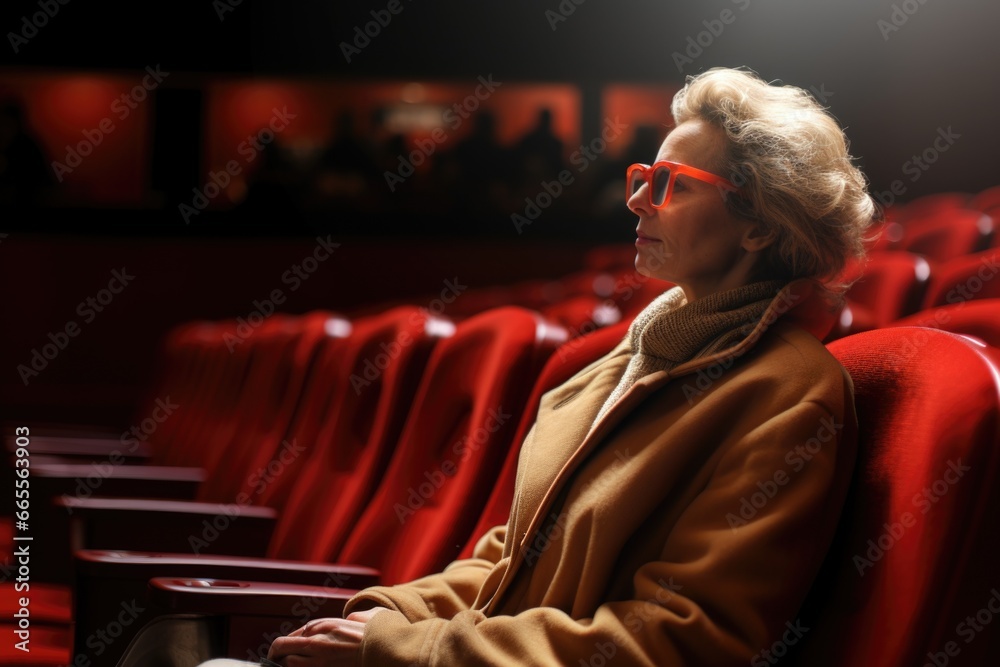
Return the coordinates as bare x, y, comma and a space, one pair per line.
694, 241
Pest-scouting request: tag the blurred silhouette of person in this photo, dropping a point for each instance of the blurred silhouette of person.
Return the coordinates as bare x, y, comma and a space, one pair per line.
25, 177
479, 168
540, 152
271, 197
345, 170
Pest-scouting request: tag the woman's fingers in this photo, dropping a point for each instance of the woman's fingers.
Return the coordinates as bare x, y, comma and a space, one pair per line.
366, 615
323, 637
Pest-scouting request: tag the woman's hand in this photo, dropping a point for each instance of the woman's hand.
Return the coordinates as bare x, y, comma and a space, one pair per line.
324, 642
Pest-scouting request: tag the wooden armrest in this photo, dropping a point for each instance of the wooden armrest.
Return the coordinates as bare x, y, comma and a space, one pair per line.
106, 578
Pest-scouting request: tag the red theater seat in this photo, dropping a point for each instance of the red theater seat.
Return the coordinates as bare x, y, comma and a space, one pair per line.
890, 286
948, 235
453, 445
458, 432
255, 432
963, 278
932, 205
987, 199
583, 314
366, 402
571, 358
979, 318
916, 550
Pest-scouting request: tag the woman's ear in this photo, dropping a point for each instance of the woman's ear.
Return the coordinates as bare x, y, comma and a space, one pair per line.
757, 237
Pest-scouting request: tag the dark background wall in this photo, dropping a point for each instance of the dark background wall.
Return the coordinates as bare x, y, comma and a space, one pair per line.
896, 74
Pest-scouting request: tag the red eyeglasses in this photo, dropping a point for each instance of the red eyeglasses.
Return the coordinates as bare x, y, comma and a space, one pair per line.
660, 177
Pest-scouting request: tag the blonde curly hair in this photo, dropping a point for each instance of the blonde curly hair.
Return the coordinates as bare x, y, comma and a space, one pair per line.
790, 158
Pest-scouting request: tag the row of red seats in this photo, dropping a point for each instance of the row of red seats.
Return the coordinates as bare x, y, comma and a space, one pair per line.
385, 458
925, 399
289, 377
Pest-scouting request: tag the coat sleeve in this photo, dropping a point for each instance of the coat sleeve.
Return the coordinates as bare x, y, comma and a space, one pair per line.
439, 595
725, 587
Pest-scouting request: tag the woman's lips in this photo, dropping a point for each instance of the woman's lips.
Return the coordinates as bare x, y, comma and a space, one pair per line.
642, 239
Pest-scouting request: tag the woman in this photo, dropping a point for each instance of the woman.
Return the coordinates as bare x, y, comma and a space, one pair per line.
674, 500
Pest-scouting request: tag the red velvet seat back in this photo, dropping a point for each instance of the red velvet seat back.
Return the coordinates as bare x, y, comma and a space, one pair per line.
891, 286
212, 379
571, 357
975, 276
932, 205
949, 235
352, 421
916, 549
258, 454
233, 429
453, 444
979, 318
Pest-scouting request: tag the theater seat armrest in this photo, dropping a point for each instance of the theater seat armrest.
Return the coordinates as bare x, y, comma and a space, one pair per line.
88, 448
99, 568
246, 598
106, 479
104, 578
168, 525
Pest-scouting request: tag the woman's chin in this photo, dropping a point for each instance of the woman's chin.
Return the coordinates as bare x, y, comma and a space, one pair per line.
651, 264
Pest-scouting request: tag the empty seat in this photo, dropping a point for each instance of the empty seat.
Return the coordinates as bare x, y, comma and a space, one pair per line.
583, 314
453, 444
986, 200
964, 278
932, 205
948, 235
362, 404
891, 285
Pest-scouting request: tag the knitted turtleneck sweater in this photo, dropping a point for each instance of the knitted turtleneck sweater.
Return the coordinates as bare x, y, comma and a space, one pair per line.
671, 331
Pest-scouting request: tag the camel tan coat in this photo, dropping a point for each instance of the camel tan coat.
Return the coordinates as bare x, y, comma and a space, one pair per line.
684, 527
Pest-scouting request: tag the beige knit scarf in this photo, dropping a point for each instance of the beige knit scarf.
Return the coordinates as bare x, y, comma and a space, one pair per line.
671, 331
